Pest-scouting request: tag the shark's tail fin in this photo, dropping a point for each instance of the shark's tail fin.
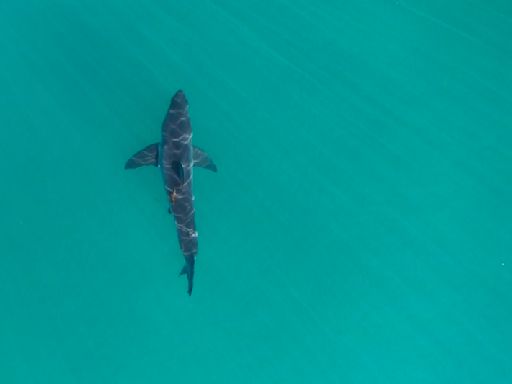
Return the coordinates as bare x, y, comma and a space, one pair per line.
188, 269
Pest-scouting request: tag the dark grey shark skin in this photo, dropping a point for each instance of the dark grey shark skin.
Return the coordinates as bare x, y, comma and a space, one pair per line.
176, 157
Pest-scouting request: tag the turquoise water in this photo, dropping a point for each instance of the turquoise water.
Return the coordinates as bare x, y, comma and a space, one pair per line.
358, 230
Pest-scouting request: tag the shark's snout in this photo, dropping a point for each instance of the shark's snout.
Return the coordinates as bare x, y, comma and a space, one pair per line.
179, 100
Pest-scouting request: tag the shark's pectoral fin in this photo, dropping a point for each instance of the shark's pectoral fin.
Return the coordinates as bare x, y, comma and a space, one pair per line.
146, 156
201, 159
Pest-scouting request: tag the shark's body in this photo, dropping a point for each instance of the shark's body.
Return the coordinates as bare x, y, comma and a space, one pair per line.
176, 157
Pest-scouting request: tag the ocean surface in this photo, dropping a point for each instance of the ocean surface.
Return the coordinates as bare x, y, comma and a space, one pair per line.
359, 227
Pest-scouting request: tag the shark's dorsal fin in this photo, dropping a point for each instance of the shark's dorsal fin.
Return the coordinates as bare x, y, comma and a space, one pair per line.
177, 168
146, 156
201, 159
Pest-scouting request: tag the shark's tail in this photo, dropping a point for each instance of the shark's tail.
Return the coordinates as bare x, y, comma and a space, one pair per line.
188, 269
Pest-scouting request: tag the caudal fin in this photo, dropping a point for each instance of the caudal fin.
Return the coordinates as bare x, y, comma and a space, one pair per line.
188, 269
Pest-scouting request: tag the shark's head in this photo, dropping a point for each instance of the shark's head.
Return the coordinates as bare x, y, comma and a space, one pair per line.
179, 101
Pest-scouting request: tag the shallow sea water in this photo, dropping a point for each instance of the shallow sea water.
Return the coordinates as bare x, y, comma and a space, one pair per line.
358, 229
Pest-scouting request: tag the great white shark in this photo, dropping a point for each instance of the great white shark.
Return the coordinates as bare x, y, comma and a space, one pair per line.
176, 156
